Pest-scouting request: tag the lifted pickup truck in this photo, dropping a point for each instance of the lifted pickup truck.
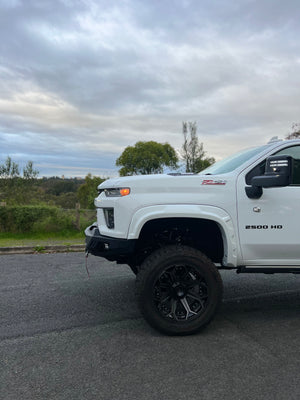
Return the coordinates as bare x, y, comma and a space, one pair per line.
176, 231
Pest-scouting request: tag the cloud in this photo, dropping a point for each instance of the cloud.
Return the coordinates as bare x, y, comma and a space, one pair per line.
80, 80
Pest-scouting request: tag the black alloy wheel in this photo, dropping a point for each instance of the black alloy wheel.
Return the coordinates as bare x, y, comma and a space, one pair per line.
180, 293
179, 290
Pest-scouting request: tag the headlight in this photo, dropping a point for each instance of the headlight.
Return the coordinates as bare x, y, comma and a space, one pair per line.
117, 192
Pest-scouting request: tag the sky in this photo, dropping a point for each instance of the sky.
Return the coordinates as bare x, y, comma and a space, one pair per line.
80, 80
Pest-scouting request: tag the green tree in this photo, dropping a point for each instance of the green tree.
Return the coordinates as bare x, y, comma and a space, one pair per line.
15, 189
9, 169
295, 134
201, 164
29, 172
58, 186
147, 158
88, 191
192, 150
66, 200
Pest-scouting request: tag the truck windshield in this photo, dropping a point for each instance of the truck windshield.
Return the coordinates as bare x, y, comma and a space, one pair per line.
231, 163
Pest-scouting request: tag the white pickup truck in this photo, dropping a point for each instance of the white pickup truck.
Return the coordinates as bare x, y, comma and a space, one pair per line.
177, 231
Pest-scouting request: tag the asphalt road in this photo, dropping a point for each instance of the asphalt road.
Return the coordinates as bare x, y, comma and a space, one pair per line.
67, 336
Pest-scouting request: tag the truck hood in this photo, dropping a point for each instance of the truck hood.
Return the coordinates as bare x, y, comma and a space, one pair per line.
169, 183
161, 189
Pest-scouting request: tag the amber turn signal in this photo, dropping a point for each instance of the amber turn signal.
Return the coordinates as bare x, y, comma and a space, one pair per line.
124, 191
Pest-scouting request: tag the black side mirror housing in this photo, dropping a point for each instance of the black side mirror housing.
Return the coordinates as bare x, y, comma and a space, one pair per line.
278, 173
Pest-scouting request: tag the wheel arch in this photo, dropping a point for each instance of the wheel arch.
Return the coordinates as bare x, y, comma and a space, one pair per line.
210, 228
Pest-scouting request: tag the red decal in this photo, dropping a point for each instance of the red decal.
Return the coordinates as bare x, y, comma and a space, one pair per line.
212, 182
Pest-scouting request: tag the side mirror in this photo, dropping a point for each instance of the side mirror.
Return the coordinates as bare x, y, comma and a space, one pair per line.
278, 173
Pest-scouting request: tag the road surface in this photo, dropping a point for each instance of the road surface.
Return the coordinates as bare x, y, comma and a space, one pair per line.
67, 336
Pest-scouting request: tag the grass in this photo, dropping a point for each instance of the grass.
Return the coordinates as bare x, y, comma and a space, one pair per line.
39, 240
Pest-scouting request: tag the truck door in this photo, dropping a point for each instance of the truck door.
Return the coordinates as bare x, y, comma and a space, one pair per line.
269, 227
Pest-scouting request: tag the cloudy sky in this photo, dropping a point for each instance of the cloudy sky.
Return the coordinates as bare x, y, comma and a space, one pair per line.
82, 79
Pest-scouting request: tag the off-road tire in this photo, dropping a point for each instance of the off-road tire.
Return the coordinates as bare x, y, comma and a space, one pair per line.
133, 268
178, 290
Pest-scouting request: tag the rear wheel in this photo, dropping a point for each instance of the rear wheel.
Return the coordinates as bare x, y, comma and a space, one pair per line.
178, 290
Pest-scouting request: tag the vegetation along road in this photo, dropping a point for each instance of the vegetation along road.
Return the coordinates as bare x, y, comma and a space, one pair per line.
67, 336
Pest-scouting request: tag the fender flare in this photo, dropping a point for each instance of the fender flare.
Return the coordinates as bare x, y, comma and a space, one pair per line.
216, 214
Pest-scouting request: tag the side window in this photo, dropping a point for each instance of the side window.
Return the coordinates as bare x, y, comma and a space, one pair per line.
256, 171
293, 151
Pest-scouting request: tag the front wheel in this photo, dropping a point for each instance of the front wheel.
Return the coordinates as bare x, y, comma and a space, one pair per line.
178, 290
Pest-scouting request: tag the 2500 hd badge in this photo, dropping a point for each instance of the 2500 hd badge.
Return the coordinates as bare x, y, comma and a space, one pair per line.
263, 227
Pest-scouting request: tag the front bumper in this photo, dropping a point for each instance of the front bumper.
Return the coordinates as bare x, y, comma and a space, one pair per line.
113, 249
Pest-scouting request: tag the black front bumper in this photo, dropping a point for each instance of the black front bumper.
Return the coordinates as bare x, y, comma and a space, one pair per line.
113, 249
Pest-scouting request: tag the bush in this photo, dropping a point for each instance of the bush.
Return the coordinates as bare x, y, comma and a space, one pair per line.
16, 219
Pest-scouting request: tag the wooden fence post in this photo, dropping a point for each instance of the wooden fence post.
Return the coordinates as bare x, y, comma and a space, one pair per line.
77, 222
